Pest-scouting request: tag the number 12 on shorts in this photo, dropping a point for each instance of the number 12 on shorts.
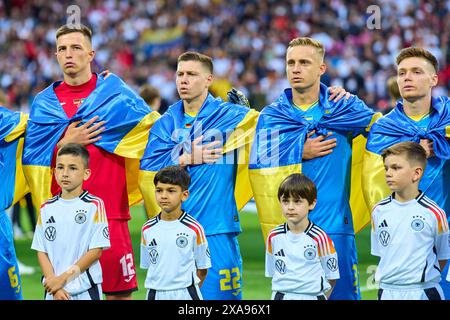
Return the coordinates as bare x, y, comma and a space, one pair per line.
231, 279
128, 266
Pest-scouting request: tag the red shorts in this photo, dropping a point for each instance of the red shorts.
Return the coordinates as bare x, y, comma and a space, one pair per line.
119, 272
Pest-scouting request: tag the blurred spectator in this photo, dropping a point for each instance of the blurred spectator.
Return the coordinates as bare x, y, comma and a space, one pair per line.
3, 99
140, 41
152, 97
394, 93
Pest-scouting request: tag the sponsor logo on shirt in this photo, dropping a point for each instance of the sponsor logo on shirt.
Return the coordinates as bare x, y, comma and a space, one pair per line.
280, 266
51, 220
384, 238
153, 256
50, 233
280, 253
383, 224
152, 243
106, 232
332, 264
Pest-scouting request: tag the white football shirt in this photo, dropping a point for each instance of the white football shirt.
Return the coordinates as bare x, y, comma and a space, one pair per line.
172, 251
66, 230
409, 237
301, 263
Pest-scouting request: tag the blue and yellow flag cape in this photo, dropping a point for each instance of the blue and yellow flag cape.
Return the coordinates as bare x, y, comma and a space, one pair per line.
234, 124
128, 122
278, 147
13, 186
397, 127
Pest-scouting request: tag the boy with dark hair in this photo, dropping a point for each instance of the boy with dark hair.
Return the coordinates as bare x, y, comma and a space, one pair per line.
174, 248
300, 257
305, 130
211, 139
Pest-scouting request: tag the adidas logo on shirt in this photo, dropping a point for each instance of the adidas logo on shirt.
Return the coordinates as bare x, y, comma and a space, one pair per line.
152, 243
383, 224
51, 220
280, 253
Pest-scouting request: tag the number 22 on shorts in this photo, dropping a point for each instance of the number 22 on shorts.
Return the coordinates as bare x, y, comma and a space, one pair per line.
230, 282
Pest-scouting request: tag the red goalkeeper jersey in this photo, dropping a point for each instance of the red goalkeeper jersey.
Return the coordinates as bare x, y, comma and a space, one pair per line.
108, 177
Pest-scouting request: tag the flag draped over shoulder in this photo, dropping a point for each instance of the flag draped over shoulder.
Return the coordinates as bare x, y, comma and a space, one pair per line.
278, 147
13, 186
128, 122
397, 127
232, 124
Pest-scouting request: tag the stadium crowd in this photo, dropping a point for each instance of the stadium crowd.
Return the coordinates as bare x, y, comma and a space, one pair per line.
140, 41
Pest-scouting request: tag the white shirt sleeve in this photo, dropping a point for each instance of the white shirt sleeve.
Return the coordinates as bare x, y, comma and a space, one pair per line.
145, 258
374, 246
202, 255
330, 266
99, 237
269, 261
441, 242
38, 243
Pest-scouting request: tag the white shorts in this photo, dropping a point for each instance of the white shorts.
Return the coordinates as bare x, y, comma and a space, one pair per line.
94, 293
189, 293
276, 295
433, 293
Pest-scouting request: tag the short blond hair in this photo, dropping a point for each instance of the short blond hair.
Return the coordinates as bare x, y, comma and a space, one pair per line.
306, 41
